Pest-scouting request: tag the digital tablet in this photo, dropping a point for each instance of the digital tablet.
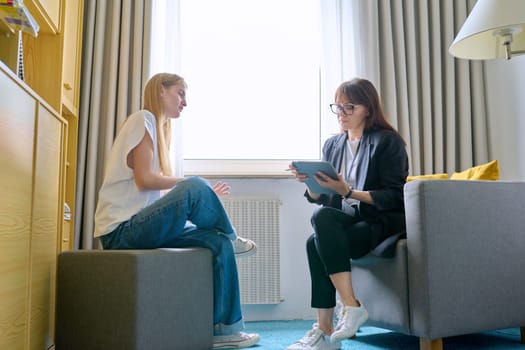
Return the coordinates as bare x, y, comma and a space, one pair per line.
311, 167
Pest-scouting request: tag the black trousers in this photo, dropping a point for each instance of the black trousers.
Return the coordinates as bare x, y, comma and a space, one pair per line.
337, 238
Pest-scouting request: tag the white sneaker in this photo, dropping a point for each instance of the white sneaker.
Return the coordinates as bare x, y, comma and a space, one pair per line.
315, 339
235, 341
350, 320
244, 247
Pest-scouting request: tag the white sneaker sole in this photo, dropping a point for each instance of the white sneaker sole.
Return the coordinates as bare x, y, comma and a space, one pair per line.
246, 343
246, 253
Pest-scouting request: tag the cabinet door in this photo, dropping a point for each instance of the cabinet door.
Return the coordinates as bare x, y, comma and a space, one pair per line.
52, 9
17, 110
46, 13
71, 55
47, 210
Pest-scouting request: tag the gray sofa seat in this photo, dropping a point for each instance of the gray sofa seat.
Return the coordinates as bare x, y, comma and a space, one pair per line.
460, 269
134, 299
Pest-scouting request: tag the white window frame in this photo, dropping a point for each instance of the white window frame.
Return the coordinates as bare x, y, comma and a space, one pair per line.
329, 79
237, 168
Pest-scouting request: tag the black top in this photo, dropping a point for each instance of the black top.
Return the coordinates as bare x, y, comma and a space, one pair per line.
382, 170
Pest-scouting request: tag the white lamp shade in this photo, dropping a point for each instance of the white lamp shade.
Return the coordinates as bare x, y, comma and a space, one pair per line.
477, 39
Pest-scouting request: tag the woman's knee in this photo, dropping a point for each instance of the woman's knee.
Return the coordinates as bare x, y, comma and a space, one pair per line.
191, 185
194, 182
322, 215
323, 220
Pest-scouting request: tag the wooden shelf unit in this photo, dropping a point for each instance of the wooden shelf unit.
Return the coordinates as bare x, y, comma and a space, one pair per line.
38, 145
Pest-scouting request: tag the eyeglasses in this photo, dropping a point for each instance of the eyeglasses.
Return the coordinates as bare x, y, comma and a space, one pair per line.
347, 109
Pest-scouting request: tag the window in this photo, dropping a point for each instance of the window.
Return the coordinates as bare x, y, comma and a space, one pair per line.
253, 74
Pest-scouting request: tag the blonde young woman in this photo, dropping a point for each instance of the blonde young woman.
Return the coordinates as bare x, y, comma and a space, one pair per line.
133, 213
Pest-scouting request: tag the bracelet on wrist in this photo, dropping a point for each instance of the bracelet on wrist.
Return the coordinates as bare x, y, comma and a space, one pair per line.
349, 194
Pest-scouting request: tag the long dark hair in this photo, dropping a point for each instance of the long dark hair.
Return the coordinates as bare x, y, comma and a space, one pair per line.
363, 92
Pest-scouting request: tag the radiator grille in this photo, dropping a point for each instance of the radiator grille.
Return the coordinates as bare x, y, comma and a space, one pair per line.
259, 274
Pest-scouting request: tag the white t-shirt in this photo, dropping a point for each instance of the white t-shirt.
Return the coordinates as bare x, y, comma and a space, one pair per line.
119, 197
349, 169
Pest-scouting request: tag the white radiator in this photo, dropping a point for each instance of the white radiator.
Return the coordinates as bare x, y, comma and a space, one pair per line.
257, 218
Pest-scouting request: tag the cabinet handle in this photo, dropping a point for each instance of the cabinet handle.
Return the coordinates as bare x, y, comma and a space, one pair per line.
67, 86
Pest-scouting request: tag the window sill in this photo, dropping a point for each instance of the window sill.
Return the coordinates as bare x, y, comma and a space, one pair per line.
237, 168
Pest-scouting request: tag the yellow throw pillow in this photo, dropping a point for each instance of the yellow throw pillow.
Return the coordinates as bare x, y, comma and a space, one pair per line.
488, 171
428, 177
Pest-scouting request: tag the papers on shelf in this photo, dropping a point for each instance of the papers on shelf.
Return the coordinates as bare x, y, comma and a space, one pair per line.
17, 16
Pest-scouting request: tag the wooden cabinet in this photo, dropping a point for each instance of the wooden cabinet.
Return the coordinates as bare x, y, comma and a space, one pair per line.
72, 51
47, 13
32, 162
17, 128
70, 97
38, 145
52, 59
46, 225
52, 69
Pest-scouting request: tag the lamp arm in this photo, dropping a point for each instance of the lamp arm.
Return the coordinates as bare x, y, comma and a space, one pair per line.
506, 34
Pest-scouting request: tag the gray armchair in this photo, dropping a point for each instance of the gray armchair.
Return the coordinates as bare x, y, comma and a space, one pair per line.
460, 268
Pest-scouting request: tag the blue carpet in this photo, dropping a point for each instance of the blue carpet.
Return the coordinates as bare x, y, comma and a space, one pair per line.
277, 335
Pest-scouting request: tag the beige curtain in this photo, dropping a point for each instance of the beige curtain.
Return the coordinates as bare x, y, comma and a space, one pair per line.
437, 102
165, 57
115, 66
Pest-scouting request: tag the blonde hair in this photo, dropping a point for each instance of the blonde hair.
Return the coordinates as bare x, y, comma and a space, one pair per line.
153, 103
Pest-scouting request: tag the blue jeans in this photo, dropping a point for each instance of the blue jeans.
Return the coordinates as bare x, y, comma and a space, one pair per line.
190, 215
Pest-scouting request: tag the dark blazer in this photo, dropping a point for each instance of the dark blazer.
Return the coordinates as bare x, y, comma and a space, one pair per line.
382, 170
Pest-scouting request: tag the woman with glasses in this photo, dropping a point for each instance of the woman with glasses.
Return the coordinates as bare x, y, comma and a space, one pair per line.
142, 205
367, 208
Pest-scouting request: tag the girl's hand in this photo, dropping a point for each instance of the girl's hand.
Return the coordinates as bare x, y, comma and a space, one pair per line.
221, 188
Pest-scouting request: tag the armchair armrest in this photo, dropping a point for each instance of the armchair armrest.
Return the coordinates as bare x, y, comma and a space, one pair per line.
466, 256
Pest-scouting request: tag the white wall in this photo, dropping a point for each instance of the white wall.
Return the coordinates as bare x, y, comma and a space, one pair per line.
506, 104
295, 229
